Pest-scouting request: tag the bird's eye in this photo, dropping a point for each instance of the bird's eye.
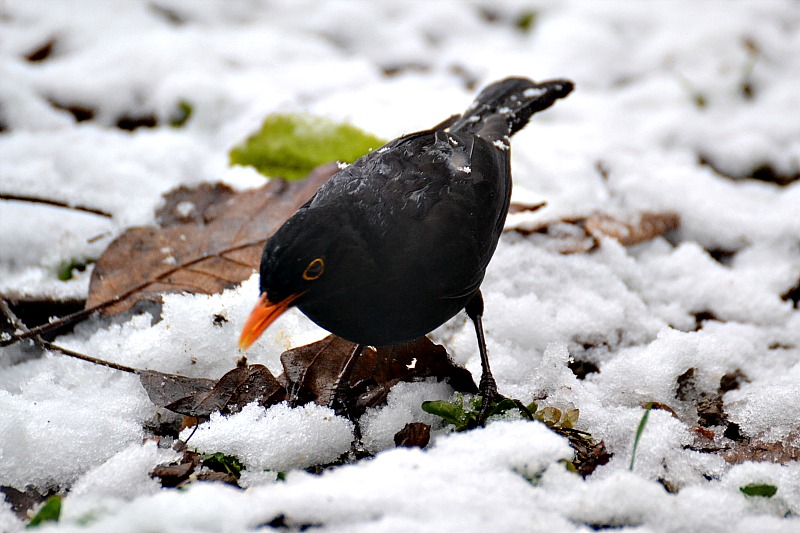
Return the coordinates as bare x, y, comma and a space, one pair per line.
314, 269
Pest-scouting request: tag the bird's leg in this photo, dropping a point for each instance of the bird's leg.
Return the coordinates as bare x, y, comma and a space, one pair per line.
488, 386
339, 400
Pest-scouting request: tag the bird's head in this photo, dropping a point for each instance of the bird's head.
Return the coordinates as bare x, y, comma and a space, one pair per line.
293, 265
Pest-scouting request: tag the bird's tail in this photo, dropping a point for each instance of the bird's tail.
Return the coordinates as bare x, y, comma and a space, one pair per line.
505, 107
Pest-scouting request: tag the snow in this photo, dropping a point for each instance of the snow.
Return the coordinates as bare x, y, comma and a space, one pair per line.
658, 91
303, 437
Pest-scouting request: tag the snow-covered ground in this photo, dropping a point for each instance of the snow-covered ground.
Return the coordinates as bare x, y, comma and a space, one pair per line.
660, 86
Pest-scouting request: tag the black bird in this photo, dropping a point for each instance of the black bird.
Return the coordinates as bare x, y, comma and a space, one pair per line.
397, 243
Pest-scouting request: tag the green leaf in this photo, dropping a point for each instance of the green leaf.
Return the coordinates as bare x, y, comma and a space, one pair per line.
464, 415
65, 270
450, 412
569, 465
525, 21
502, 406
219, 462
290, 146
759, 489
639, 431
181, 114
49, 512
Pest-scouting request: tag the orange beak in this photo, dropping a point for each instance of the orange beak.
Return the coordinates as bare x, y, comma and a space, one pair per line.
263, 314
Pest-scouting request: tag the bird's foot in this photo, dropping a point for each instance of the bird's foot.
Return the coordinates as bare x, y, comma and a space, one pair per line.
490, 397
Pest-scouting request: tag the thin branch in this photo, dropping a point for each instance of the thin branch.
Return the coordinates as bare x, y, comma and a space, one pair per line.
18, 324
12, 318
54, 203
77, 355
85, 313
50, 326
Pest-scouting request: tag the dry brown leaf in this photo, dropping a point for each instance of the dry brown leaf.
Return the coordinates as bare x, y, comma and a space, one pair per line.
191, 205
164, 389
311, 371
173, 475
214, 251
564, 237
589, 456
310, 375
782, 452
413, 435
519, 207
646, 227
582, 235
21, 502
234, 390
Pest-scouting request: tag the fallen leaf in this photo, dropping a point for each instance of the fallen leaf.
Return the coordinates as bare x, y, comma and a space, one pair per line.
310, 375
42, 52
50, 512
759, 489
565, 237
260, 385
234, 390
581, 235
629, 232
224, 464
164, 389
709, 404
222, 477
290, 146
192, 205
519, 207
285, 523
785, 451
311, 371
413, 435
173, 475
588, 454
20, 502
219, 251
732, 380
581, 369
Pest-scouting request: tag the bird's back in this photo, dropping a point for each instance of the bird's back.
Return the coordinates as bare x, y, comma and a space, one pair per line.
418, 220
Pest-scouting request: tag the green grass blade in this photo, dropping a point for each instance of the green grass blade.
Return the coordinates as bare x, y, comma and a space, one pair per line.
639, 431
50, 512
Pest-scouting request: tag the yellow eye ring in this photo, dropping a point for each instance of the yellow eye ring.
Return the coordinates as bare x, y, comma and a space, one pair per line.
314, 269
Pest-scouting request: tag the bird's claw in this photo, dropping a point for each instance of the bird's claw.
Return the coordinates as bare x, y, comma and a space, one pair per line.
489, 395
490, 398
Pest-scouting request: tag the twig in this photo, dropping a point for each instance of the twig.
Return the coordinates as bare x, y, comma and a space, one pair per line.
89, 359
54, 203
85, 313
12, 318
18, 324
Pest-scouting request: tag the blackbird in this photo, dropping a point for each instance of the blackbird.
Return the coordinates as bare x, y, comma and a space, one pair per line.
397, 243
